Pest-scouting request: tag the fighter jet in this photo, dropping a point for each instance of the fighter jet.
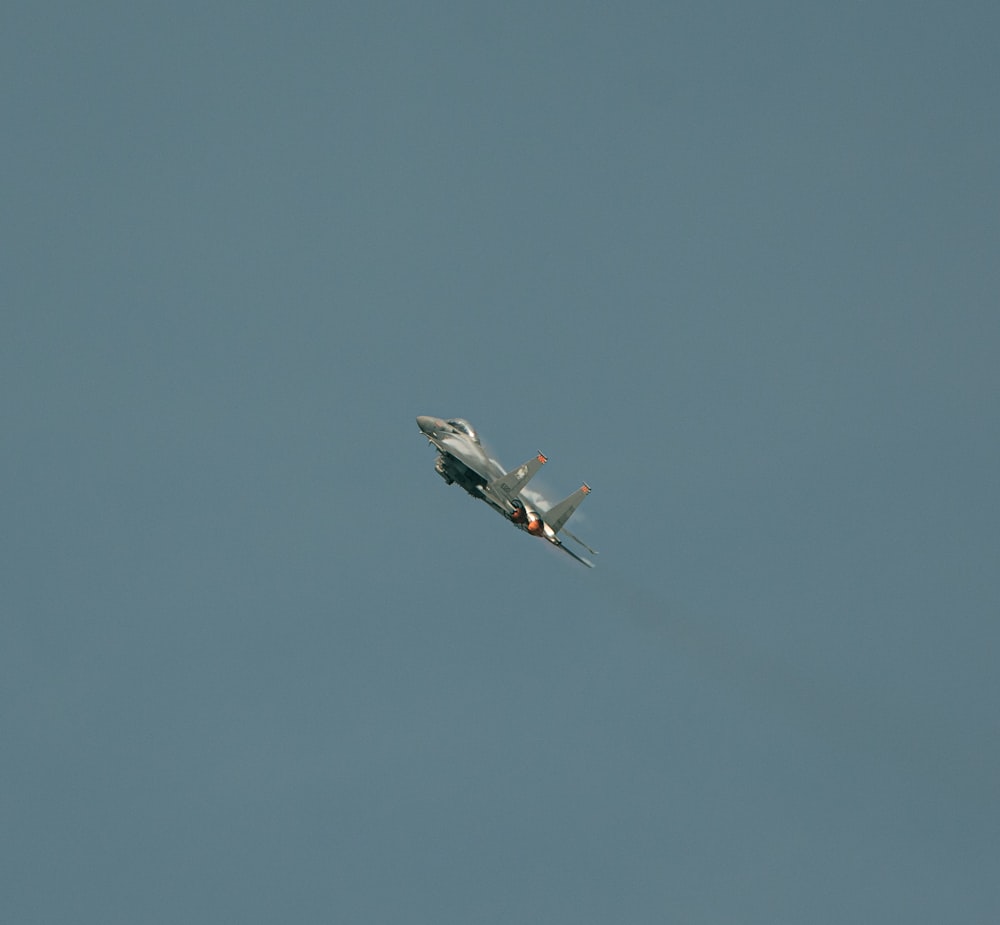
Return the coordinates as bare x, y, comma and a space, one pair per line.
463, 461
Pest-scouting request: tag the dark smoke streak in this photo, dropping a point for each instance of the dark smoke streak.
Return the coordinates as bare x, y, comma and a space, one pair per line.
955, 766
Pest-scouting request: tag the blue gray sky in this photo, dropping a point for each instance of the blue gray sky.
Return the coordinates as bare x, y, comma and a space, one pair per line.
733, 264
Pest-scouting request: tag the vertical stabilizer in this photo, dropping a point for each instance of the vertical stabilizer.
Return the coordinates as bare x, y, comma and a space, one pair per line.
558, 514
506, 486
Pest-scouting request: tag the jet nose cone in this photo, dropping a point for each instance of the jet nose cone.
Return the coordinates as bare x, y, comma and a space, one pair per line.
427, 424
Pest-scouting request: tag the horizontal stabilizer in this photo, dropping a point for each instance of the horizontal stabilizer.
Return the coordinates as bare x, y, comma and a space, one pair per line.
580, 542
570, 552
558, 514
507, 486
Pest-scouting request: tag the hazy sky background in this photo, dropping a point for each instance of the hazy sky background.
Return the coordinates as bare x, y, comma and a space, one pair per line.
735, 265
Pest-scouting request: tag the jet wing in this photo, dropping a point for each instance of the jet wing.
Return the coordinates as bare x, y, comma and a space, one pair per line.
471, 456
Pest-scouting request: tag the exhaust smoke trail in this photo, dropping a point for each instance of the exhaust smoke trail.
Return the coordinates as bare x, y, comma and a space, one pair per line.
960, 764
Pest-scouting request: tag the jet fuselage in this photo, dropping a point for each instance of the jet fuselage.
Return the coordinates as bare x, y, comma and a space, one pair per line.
463, 461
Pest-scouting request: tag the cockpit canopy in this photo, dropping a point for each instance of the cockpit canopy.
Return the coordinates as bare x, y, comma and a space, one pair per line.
465, 427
